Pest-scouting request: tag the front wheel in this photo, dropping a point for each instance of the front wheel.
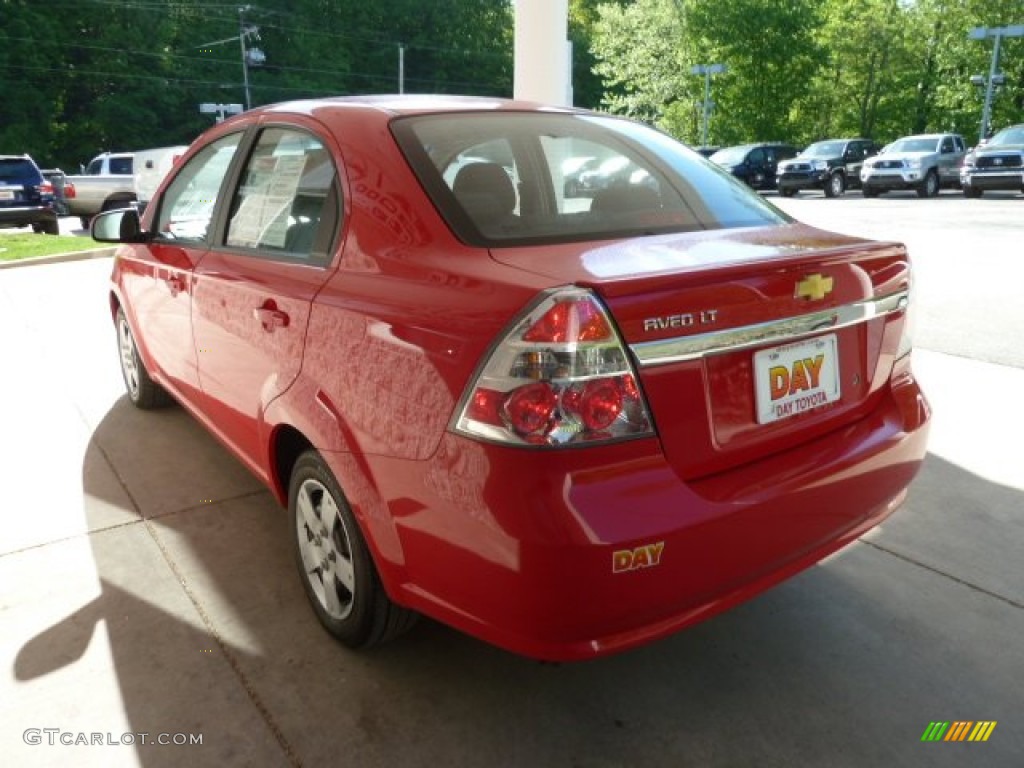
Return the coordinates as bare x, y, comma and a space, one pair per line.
787, 191
836, 185
338, 573
930, 186
972, 192
869, 191
142, 390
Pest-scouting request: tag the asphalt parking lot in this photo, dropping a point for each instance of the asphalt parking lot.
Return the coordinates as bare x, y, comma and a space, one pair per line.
146, 583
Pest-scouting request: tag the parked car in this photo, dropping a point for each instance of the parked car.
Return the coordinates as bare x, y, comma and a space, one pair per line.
924, 163
755, 164
565, 429
118, 180
832, 166
57, 179
26, 197
998, 164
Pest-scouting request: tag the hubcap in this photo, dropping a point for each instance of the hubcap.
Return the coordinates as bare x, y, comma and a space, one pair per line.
129, 360
325, 549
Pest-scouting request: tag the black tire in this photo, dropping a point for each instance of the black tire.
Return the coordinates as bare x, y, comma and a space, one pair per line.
836, 185
929, 187
86, 221
327, 538
143, 392
972, 192
49, 227
787, 191
869, 191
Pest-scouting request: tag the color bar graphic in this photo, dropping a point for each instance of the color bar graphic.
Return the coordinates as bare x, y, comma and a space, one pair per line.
958, 730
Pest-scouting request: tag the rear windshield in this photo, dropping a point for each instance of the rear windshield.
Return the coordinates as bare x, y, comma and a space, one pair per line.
18, 170
513, 178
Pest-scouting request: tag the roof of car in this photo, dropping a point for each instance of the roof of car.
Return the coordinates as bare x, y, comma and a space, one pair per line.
410, 104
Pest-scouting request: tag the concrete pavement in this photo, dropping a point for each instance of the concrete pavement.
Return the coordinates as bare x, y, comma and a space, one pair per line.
146, 586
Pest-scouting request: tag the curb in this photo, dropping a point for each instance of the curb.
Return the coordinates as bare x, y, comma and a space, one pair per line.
57, 258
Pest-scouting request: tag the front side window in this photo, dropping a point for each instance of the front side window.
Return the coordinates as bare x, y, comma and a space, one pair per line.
533, 178
285, 202
188, 204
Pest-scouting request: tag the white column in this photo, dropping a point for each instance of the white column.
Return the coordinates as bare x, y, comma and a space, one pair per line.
543, 69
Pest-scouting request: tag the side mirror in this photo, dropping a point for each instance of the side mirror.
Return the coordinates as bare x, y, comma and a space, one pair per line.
120, 225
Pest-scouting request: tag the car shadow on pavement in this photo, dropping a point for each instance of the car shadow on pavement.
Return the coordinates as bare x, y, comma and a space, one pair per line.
209, 632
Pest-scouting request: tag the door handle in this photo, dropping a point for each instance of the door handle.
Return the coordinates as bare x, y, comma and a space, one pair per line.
271, 317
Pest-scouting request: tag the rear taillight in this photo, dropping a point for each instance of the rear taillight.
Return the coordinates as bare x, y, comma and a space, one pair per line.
561, 375
46, 188
69, 189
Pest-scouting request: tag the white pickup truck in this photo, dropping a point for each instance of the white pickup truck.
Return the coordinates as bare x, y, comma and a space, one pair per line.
117, 180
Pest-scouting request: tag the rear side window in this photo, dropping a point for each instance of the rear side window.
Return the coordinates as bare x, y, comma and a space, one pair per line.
286, 203
509, 178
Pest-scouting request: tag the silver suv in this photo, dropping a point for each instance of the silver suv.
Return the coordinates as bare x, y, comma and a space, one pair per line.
924, 163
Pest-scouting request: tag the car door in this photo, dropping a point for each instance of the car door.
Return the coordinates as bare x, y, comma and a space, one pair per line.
949, 161
254, 289
756, 169
853, 159
157, 281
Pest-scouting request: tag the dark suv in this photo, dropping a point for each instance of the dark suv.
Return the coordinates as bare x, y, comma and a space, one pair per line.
26, 198
754, 163
831, 166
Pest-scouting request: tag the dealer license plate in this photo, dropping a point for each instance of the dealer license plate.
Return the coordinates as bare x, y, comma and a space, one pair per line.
795, 378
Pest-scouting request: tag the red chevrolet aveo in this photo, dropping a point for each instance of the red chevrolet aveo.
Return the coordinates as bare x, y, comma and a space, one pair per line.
567, 425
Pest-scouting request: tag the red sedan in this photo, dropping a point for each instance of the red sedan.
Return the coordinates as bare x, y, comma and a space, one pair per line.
567, 426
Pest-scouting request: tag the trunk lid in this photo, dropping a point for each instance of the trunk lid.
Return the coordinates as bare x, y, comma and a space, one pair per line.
746, 342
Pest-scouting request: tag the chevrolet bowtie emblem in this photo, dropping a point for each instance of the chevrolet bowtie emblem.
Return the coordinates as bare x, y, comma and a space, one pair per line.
814, 287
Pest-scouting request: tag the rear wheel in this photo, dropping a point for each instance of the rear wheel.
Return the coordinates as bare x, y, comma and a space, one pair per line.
787, 191
836, 185
971, 191
338, 573
930, 186
869, 191
142, 390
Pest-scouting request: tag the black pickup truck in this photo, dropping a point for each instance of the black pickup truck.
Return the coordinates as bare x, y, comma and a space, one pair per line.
832, 166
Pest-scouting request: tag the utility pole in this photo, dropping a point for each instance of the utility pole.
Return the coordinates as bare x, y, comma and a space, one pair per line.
401, 68
251, 57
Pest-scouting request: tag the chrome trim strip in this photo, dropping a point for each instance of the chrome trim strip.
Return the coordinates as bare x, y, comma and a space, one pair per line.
664, 351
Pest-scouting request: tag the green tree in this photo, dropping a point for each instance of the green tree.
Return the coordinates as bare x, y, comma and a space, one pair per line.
643, 57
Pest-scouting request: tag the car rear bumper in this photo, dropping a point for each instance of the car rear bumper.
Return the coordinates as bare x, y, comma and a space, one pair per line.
573, 554
25, 216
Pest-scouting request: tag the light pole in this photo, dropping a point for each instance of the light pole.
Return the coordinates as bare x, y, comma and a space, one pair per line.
980, 33
707, 70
